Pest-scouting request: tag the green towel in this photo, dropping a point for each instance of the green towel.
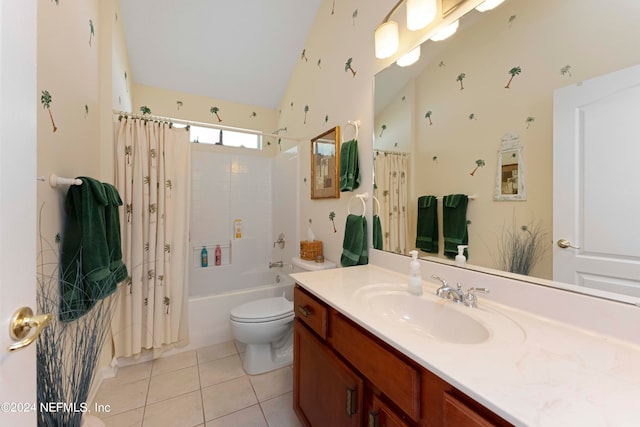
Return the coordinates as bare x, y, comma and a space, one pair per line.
349, 166
454, 224
86, 255
354, 245
112, 229
377, 233
427, 227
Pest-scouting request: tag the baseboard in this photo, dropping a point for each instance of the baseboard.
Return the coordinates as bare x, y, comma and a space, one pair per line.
102, 374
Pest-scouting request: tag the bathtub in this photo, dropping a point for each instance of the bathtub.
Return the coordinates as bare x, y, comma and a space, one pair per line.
209, 315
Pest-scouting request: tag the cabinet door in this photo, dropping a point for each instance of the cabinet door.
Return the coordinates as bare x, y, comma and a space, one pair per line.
381, 415
325, 391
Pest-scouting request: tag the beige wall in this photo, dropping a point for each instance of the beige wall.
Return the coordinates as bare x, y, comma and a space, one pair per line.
163, 102
78, 77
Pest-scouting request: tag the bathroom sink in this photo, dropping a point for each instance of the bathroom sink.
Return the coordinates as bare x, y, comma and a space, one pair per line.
435, 319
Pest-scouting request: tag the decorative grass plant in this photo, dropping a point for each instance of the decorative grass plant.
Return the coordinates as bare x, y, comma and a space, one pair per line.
67, 352
521, 248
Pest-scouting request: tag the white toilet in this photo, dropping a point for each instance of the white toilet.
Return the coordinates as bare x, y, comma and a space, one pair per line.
266, 327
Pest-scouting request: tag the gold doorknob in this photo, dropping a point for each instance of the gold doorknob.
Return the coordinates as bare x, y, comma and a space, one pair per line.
564, 244
21, 323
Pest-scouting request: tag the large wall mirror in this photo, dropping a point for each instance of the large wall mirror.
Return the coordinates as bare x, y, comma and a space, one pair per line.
325, 165
445, 117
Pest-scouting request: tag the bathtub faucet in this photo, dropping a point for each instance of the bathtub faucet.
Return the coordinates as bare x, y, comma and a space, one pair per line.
275, 264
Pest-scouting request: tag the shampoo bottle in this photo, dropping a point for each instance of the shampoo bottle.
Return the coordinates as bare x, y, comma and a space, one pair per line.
218, 255
461, 260
204, 257
415, 275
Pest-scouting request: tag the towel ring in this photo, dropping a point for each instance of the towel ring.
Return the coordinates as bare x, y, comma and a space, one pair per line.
364, 205
355, 124
375, 199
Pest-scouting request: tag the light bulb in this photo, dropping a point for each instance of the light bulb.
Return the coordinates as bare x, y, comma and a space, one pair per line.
386, 39
409, 58
420, 13
488, 5
446, 32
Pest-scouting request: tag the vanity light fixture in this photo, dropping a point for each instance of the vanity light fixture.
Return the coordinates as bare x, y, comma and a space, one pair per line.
420, 13
488, 5
446, 32
409, 58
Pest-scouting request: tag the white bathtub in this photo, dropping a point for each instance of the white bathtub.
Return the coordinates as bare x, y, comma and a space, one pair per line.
209, 315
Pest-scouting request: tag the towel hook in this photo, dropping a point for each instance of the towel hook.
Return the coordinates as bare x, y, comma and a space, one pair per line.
363, 197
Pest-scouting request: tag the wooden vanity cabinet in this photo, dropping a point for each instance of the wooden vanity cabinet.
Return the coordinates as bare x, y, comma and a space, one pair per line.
345, 376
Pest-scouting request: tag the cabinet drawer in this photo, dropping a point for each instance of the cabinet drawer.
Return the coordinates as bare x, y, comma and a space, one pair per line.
310, 311
398, 380
457, 413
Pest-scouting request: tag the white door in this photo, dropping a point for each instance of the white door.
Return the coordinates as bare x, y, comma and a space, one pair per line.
18, 103
596, 183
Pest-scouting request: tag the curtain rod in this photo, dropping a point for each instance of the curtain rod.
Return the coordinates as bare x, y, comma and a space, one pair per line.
391, 152
201, 124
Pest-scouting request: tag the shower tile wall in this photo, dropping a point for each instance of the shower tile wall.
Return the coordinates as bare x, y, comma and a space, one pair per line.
226, 187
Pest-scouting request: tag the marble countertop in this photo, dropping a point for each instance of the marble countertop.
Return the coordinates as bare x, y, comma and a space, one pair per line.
531, 370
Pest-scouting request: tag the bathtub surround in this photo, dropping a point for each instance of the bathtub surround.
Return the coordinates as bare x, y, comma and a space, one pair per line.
153, 169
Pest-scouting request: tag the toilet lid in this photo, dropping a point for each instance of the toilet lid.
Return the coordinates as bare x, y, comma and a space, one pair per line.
263, 310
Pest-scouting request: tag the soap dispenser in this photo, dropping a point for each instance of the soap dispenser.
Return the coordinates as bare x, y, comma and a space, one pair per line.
461, 260
415, 275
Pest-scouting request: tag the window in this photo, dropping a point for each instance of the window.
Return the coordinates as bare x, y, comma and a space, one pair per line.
230, 138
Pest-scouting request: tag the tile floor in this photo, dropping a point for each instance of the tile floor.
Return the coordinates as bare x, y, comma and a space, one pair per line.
198, 388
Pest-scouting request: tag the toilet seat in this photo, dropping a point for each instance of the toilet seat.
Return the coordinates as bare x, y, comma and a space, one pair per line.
263, 310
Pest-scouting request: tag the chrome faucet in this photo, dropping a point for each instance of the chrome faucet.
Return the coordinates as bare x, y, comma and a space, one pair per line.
275, 264
470, 298
456, 294
446, 291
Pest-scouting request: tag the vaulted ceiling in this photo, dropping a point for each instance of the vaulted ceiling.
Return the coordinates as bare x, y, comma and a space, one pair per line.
242, 51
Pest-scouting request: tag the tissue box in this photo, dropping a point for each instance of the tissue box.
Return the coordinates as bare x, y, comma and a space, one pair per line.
310, 250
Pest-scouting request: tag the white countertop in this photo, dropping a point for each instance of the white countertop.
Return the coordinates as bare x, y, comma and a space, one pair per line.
532, 371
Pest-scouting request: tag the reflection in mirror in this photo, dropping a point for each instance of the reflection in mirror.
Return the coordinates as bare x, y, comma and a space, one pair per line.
497, 74
510, 171
325, 165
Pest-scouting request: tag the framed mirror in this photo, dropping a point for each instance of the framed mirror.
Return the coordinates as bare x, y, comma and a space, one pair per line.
325, 165
510, 172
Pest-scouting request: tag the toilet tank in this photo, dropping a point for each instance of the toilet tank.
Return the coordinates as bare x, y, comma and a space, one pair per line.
299, 265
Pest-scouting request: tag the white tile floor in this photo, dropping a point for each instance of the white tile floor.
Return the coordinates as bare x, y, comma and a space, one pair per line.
204, 387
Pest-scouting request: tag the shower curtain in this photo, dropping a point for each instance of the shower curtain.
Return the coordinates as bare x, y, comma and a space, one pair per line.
391, 174
153, 176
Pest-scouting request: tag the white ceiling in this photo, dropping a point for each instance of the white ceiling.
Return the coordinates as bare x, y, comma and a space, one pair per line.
242, 51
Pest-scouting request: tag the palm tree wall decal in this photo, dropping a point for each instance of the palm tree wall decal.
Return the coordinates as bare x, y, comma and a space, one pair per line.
514, 72
304, 55
384, 127
354, 15
347, 67
565, 70
253, 114
92, 32
332, 217
179, 104
428, 116
145, 110
306, 110
214, 110
479, 164
530, 120
460, 78
46, 103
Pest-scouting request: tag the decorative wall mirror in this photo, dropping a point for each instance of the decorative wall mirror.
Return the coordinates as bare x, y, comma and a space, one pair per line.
510, 173
325, 165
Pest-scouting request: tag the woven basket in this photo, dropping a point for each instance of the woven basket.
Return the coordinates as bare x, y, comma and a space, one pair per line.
310, 250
